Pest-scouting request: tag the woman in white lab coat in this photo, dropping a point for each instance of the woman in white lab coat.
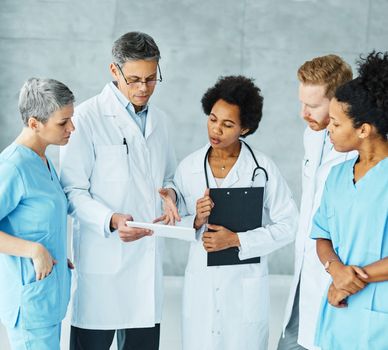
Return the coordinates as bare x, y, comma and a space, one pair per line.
226, 307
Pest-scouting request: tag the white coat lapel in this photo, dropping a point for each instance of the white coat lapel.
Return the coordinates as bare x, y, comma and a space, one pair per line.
313, 144
233, 175
239, 168
198, 168
111, 107
151, 123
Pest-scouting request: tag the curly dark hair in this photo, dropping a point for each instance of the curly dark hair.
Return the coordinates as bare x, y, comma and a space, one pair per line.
366, 96
239, 91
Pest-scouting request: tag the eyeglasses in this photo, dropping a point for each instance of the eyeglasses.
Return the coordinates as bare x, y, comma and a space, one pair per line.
149, 82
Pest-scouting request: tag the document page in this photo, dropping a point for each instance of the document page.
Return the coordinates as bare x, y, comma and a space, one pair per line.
168, 231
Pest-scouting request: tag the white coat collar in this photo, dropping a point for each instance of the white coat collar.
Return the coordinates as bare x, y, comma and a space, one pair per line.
111, 107
241, 169
313, 143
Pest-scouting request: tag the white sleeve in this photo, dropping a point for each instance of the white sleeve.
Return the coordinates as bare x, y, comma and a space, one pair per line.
282, 212
170, 168
77, 160
187, 218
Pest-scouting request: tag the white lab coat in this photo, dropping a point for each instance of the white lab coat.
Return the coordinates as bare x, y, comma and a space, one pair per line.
118, 285
227, 307
308, 270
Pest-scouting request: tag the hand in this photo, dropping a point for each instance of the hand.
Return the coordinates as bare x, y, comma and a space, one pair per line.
337, 297
169, 207
220, 239
203, 210
346, 277
127, 234
42, 260
70, 265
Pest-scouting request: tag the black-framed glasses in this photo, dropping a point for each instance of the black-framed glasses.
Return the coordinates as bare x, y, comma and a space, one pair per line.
149, 82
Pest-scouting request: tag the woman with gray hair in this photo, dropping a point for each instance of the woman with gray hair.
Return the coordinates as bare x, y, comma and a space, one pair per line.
34, 271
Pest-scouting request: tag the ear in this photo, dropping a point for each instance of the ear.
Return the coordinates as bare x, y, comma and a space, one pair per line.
33, 123
244, 131
114, 71
364, 131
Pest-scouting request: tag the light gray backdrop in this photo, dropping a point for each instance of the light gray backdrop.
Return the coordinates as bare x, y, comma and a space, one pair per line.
70, 40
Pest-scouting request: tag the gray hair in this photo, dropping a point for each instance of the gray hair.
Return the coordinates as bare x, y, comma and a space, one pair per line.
134, 46
40, 98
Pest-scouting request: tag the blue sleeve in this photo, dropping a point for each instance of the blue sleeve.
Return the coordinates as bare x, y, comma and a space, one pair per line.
320, 226
11, 188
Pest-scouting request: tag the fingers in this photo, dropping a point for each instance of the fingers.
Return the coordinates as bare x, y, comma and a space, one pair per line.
204, 201
209, 246
352, 285
159, 219
128, 217
163, 192
358, 284
175, 213
170, 209
135, 231
346, 279
209, 249
215, 227
132, 237
359, 271
342, 304
336, 297
70, 265
204, 208
172, 213
130, 234
207, 192
43, 272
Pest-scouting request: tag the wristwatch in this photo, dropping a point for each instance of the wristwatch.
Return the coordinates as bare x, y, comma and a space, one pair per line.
328, 263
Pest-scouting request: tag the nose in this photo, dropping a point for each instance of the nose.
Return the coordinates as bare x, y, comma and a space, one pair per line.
217, 129
330, 127
142, 85
304, 111
70, 126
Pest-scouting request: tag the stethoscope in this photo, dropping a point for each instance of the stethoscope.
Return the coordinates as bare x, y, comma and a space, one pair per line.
258, 167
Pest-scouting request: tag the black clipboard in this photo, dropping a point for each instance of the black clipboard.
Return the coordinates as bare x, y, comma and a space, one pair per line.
239, 210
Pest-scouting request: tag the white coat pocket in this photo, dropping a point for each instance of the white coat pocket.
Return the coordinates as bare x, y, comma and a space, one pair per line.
308, 169
255, 299
112, 163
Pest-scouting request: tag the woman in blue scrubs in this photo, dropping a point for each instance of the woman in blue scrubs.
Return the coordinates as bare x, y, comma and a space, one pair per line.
34, 270
351, 225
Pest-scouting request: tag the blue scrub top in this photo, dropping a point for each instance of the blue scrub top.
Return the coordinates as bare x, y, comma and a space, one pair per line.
355, 218
33, 207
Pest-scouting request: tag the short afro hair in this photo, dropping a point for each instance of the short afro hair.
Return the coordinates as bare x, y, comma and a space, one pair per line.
239, 91
366, 96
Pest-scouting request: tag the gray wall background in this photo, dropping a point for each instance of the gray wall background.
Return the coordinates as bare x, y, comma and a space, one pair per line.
70, 40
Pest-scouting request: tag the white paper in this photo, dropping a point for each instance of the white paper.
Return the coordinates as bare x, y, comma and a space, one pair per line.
168, 231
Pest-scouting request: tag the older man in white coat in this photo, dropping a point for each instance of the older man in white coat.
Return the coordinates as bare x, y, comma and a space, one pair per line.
111, 172
319, 79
